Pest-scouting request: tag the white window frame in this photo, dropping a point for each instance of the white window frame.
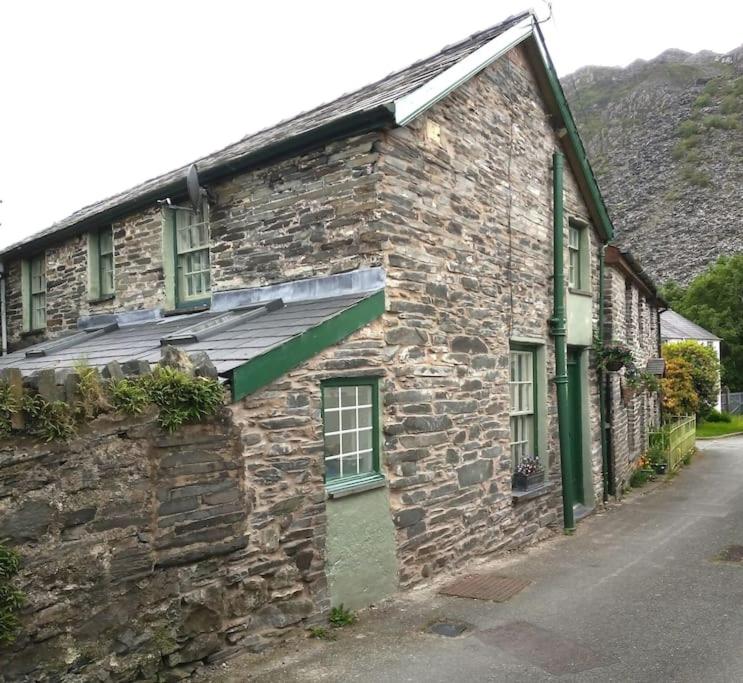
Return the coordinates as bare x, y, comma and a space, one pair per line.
522, 389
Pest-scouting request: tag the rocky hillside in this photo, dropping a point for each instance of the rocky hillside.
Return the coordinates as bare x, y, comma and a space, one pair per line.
665, 138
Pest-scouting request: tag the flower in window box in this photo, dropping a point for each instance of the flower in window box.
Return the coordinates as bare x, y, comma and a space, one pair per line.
528, 474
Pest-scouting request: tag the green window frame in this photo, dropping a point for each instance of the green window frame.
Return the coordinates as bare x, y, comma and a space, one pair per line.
33, 292
523, 403
579, 262
186, 257
351, 432
575, 279
101, 281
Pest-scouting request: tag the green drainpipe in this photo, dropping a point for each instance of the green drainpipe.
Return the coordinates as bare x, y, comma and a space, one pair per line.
607, 470
558, 328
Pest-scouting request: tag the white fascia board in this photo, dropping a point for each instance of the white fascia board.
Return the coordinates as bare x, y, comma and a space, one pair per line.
409, 106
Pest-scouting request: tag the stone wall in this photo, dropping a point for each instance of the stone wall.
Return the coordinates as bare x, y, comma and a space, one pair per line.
630, 318
299, 217
142, 553
467, 212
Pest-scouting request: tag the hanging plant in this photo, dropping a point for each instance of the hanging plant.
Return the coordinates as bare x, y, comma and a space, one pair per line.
613, 356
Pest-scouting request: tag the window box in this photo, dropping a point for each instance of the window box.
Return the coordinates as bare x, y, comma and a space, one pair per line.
524, 482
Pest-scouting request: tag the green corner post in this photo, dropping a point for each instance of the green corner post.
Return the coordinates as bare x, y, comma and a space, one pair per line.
558, 329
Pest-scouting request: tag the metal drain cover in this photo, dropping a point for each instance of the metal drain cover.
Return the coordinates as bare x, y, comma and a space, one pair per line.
733, 553
485, 587
446, 629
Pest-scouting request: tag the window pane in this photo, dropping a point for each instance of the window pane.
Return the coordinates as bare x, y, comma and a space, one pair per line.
332, 445
348, 442
348, 396
330, 397
332, 469
348, 419
366, 462
349, 465
365, 415
365, 439
105, 242
365, 395
332, 421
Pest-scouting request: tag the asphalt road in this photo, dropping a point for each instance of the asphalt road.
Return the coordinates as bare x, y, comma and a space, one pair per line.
638, 594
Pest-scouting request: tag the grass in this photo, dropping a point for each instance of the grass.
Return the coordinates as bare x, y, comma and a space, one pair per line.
711, 429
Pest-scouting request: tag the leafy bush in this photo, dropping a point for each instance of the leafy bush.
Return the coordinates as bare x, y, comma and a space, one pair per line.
679, 397
181, 398
48, 420
716, 416
705, 370
688, 128
11, 599
340, 616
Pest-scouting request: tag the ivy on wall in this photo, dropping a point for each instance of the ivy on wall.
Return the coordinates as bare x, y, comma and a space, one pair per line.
11, 599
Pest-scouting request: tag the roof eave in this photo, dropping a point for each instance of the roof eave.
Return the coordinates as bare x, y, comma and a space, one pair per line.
408, 107
356, 123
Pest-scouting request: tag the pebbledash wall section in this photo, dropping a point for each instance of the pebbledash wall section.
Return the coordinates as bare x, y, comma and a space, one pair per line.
631, 318
458, 209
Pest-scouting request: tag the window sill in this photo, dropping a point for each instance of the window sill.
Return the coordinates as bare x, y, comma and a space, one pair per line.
32, 333
537, 492
579, 292
195, 308
101, 299
353, 485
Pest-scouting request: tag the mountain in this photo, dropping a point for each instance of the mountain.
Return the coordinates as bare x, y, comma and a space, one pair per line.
665, 138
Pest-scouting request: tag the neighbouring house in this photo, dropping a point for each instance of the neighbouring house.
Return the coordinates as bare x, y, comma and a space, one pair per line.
675, 328
400, 290
632, 310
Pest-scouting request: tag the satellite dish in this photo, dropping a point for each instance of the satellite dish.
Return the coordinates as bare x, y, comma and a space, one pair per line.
195, 193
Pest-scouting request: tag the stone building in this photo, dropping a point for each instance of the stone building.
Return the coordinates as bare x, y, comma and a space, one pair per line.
373, 281
633, 311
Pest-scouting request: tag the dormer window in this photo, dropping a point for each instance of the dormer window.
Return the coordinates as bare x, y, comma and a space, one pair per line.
33, 290
101, 264
186, 251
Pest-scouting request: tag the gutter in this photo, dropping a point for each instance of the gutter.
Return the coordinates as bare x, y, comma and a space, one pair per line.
606, 463
347, 126
558, 329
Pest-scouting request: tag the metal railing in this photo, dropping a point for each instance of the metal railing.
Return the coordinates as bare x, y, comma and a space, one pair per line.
732, 402
676, 437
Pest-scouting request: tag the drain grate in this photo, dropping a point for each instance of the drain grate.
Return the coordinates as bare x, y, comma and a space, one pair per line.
446, 629
733, 553
485, 587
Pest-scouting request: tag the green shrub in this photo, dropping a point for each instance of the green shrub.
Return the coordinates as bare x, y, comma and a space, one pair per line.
129, 396
688, 128
340, 616
718, 121
705, 370
715, 415
639, 478
48, 420
703, 100
11, 599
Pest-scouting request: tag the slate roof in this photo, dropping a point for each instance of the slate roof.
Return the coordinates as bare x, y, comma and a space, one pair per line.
675, 326
367, 99
227, 349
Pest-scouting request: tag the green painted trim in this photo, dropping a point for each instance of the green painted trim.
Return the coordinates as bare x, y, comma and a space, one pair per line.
94, 280
558, 328
369, 381
26, 294
358, 484
607, 468
267, 367
539, 375
605, 225
168, 253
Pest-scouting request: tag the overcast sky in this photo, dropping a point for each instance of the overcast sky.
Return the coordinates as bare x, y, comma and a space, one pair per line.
98, 96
